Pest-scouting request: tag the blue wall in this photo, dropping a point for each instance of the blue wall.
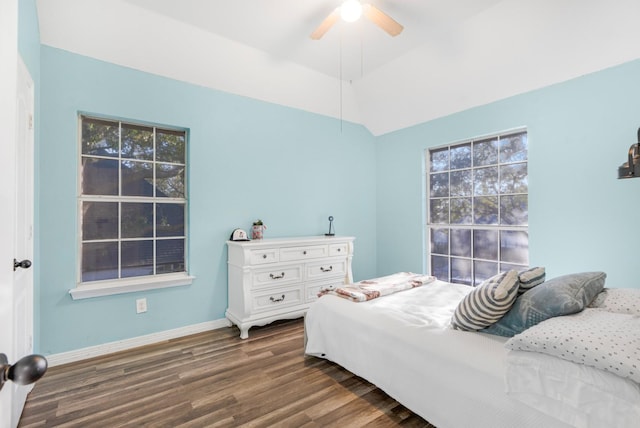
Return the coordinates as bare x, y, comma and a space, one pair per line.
29, 37
248, 160
581, 218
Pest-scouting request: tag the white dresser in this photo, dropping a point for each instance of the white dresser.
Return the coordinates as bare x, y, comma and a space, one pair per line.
272, 279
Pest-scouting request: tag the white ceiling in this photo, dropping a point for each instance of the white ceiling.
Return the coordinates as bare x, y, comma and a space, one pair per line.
452, 54
282, 28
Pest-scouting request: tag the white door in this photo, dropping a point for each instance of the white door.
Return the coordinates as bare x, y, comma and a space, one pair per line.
23, 276
8, 82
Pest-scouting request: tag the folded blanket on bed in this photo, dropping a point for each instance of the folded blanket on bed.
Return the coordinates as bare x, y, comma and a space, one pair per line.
372, 288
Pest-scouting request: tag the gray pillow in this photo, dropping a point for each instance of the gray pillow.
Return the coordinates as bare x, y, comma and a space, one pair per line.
563, 295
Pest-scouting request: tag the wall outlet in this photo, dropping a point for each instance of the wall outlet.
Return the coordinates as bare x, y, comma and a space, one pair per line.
141, 305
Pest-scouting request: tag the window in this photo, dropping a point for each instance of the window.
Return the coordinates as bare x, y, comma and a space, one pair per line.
477, 208
132, 202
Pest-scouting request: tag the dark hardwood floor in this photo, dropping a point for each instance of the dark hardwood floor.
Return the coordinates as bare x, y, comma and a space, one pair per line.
213, 379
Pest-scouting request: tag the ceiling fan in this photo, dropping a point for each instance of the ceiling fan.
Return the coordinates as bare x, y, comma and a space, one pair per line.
350, 11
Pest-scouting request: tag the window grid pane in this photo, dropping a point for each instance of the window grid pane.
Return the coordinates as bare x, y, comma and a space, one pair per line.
477, 208
132, 200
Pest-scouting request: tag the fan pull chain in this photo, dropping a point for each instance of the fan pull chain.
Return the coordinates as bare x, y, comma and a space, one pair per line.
340, 73
361, 53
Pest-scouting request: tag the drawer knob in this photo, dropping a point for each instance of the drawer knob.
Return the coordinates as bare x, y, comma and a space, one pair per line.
304, 252
325, 269
274, 300
276, 276
264, 256
339, 249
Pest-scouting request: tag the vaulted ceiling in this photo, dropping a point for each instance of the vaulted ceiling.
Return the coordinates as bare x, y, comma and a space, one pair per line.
452, 54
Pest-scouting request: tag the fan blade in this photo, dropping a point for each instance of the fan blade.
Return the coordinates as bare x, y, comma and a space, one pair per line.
382, 20
326, 24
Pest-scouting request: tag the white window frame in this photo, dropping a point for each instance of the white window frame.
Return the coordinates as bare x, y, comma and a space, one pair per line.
472, 226
108, 287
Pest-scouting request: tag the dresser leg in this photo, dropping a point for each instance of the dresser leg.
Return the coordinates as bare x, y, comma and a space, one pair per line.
244, 332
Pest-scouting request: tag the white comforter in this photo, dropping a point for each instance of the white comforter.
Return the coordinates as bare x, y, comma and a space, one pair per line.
403, 344
580, 395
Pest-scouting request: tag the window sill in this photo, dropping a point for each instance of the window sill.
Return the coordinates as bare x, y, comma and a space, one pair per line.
130, 285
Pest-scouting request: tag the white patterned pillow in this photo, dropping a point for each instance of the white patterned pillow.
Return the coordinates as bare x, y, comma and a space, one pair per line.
487, 303
620, 300
530, 278
594, 337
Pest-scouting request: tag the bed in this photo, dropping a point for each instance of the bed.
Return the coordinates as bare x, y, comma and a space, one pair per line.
404, 343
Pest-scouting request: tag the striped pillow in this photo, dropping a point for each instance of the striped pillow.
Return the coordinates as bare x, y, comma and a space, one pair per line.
487, 303
530, 278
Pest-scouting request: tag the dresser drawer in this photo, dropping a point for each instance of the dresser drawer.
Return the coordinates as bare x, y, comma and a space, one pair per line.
274, 300
303, 253
313, 288
341, 249
263, 256
272, 277
327, 269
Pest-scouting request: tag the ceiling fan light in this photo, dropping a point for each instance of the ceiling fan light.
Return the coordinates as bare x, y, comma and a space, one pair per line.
351, 10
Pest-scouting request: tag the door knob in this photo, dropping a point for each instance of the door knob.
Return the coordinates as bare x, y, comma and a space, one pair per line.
27, 370
25, 264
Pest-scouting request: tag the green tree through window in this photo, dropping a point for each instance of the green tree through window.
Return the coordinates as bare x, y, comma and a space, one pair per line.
133, 202
477, 208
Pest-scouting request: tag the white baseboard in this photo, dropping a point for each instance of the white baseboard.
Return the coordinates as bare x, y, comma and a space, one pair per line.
134, 342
